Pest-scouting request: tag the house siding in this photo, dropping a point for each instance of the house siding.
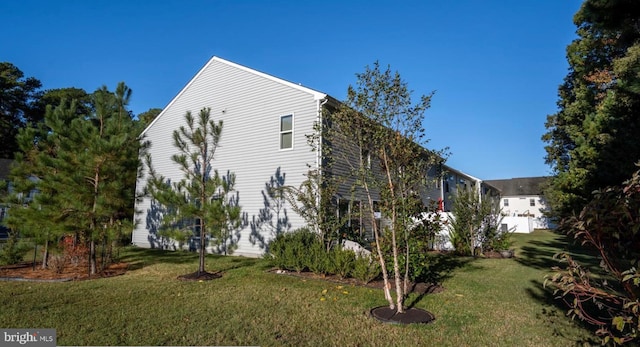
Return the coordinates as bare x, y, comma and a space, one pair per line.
250, 105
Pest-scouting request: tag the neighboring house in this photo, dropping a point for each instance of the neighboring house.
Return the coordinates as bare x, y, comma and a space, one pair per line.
453, 179
5, 166
523, 203
266, 121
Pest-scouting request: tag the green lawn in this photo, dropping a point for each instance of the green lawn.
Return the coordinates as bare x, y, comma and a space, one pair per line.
486, 302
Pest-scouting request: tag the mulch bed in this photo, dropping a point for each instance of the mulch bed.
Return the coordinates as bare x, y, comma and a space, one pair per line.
410, 316
26, 271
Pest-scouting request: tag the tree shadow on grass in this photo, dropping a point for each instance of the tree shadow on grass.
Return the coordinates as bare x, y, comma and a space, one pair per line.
539, 254
440, 267
138, 258
553, 315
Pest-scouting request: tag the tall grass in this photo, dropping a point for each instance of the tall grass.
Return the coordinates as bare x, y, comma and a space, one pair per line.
485, 302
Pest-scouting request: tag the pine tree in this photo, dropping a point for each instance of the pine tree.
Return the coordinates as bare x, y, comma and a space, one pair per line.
84, 167
204, 200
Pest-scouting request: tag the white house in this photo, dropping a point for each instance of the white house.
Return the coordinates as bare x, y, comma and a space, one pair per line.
263, 142
523, 203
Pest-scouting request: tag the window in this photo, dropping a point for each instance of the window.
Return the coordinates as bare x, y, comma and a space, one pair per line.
506, 202
366, 157
532, 202
286, 132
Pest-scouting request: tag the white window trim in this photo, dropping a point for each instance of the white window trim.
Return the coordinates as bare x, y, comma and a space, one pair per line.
292, 131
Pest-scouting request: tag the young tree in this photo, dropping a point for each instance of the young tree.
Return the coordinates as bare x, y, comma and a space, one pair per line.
203, 200
313, 199
382, 136
474, 222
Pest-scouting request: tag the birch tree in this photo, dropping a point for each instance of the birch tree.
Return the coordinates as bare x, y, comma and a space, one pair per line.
384, 141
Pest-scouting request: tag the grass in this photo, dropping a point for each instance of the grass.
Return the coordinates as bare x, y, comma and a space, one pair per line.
485, 302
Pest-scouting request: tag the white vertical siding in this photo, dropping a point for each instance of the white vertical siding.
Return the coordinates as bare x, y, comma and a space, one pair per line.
250, 105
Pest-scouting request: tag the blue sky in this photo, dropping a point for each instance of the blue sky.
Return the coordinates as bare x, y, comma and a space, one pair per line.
495, 65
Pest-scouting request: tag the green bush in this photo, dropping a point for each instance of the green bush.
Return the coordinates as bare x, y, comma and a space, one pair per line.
12, 252
318, 260
342, 261
302, 250
366, 268
290, 251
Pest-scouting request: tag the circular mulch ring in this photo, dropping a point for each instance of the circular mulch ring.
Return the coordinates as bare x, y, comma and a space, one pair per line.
200, 276
409, 316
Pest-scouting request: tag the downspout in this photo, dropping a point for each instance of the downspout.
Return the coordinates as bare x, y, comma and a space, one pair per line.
321, 103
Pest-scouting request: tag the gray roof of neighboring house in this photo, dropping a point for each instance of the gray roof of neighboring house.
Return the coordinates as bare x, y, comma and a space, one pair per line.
5, 166
519, 186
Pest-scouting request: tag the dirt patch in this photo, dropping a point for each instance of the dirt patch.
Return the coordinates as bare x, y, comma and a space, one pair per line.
419, 288
76, 273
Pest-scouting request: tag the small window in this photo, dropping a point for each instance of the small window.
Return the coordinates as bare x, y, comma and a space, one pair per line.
366, 157
286, 132
506, 202
532, 202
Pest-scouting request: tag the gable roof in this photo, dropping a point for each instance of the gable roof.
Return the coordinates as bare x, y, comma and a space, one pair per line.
519, 186
314, 93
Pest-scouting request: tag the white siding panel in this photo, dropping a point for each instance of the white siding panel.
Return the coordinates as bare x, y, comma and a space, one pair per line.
250, 106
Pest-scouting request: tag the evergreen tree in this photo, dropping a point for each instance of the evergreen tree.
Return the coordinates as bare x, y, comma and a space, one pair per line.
592, 141
203, 201
18, 96
84, 168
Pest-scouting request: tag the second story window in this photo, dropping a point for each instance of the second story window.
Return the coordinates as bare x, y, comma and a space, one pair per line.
506, 202
286, 132
532, 202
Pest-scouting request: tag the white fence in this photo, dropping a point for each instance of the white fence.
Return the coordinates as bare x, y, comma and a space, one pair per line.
513, 224
527, 224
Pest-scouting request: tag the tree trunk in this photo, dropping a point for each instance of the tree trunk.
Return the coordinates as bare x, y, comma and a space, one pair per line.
203, 249
92, 257
394, 237
383, 266
406, 266
45, 256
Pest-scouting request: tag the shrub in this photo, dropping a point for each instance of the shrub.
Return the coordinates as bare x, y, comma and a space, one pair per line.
343, 261
474, 223
57, 263
318, 260
365, 268
74, 252
290, 251
610, 225
12, 252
